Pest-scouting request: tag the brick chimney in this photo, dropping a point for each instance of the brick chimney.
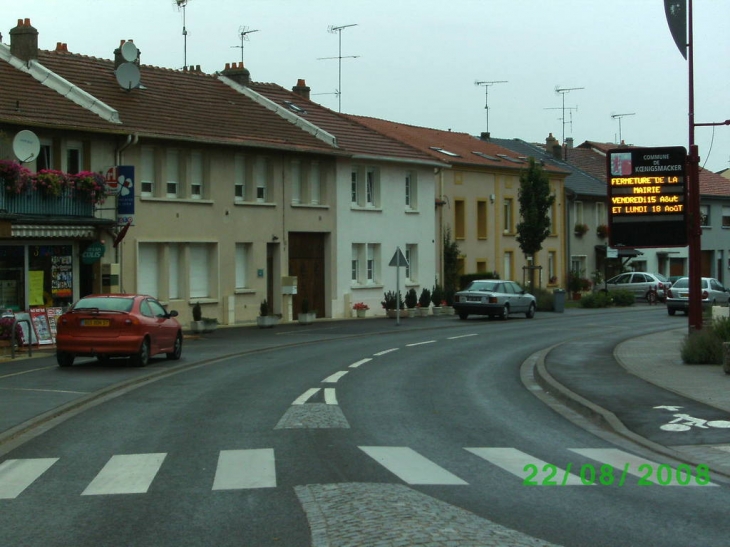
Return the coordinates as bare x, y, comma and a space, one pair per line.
552, 146
118, 59
238, 73
302, 88
24, 41
569, 142
485, 135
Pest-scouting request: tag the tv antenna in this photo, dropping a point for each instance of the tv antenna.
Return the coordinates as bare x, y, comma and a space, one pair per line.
562, 91
338, 30
618, 117
570, 110
243, 33
486, 95
181, 5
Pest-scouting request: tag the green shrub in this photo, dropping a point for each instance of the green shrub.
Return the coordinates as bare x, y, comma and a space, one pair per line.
622, 298
596, 300
705, 347
545, 299
721, 327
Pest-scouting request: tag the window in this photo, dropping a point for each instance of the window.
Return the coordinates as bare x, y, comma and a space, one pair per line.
315, 184
481, 266
578, 264
726, 217
411, 190
370, 187
196, 175
239, 179
45, 156
243, 252
296, 181
200, 261
507, 216
147, 176
705, 215
353, 187
459, 220
552, 267
173, 173
263, 166
148, 269
412, 259
600, 213
370, 265
174, 254
482, 219
578, 212
73, 158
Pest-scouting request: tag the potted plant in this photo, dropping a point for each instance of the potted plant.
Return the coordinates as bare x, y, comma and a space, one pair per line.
447, 306
580, 229
411, 302
575, 284
306, 316
14, 177
264, 320
50, 183
6, 333
437, 297
424, 301
90, 186
360, 308
196, 325
393, 304
602, 231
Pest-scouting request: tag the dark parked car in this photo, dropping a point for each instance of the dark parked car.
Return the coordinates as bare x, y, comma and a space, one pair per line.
713, 294
640, 283
117, 325
494, 297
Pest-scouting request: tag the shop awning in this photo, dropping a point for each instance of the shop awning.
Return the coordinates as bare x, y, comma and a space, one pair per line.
53, 231
623, 252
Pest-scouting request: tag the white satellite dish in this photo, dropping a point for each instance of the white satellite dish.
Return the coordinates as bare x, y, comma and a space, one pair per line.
129, 52
26, 146
128, 75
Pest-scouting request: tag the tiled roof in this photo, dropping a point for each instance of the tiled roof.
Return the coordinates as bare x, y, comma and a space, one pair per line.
352, 136
451, 147
175, 104
591, 157
580, 182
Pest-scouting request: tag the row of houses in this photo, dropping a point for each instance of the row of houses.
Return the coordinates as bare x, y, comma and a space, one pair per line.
240, 186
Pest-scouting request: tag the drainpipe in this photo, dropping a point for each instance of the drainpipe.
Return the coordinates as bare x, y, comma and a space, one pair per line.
132, 140
570, 195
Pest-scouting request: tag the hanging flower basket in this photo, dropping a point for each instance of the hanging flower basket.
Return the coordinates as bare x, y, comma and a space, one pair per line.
50, 183
15, 178
89, 186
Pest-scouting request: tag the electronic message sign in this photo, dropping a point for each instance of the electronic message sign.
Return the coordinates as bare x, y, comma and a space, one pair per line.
647, 197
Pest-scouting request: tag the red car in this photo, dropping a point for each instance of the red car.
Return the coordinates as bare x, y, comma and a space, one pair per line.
117, 325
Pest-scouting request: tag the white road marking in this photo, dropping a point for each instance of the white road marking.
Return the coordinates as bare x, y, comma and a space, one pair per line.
43, 390
421, 343
243, 469
336, 376
360, 362
126, 474
329, 396
386, 351
514, 461
462, 336
25, 372
637, 466
17, 475
410, 466
304, 397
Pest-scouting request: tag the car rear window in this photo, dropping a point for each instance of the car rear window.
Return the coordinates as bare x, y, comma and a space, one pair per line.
680, 283
105, 304
482, 286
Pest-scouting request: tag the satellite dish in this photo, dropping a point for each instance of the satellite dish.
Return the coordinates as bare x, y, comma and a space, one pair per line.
129, 51
128, 75
26, 146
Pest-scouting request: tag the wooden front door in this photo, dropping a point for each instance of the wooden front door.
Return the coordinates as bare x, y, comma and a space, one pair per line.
306, 262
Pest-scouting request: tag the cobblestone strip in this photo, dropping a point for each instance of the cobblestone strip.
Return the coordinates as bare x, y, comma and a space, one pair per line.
313, 416
393, 515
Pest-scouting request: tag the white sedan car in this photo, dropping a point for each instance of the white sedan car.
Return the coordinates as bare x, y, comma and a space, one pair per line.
713, 294
494, 297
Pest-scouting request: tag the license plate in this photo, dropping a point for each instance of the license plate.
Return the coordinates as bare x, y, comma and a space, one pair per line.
683, 295
473, 298
94, 322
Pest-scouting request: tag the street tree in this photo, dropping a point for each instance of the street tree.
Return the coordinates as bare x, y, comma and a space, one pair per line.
536, 201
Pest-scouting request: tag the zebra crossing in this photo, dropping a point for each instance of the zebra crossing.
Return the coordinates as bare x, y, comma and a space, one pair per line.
249, 469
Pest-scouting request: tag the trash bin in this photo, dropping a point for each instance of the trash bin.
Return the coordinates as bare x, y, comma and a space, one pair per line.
559, 300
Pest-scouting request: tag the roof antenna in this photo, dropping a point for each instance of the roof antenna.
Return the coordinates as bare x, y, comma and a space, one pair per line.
562, 91
619, 116
181, 5
338, 30
486, 93
243, 32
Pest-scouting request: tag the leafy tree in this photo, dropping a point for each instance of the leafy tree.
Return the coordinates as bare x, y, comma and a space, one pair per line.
535, 203
451, 266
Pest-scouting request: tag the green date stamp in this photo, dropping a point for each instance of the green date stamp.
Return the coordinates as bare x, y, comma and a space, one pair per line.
646, 474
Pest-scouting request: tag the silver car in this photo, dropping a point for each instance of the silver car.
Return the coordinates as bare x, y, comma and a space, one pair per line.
494, 297
640, 283
713, 294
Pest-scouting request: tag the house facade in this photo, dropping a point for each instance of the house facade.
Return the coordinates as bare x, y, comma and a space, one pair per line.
235, 191
478, 205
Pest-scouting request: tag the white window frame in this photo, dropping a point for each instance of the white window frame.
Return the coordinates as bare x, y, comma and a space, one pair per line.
262, 179
370, 265
196, 175
295, 171
172, 186
148, 269
370, 199
412, 259
174, 253
200, 262
315, 183
239, 179
243, 255
354, 186
578, 210
147, 175
601, 218
507, 223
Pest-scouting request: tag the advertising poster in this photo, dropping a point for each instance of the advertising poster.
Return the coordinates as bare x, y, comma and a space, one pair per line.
40, 324
61, 276
35, 278
53, 314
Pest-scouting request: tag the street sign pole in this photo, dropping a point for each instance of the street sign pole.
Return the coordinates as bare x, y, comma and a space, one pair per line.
398, 260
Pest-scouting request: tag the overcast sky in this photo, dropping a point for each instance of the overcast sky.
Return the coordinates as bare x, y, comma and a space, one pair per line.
418, 60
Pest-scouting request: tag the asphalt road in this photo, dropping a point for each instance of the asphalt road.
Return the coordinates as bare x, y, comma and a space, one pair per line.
351, 433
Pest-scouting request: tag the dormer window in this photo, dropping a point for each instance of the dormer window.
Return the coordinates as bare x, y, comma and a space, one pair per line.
295, 108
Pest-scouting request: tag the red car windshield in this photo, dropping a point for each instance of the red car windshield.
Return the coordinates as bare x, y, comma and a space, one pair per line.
105, 304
